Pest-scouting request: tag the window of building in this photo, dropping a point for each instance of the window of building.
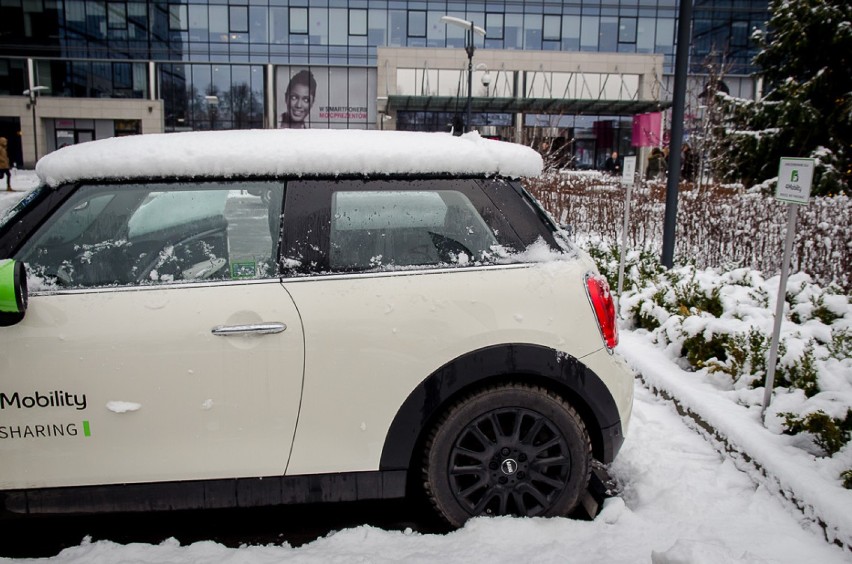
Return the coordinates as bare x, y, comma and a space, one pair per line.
124, 127
318, 26
117, 15
259, 24
357, 22
416, 23
219, 23
739, 34
278, 25
589, 33
397, 21
338, 28
665, 35
645, 35
627, 30
571, 33
96, 20
198, 23
238, 18
532, 31
608, 34
178, 18
494, 26
299, 21
552, 28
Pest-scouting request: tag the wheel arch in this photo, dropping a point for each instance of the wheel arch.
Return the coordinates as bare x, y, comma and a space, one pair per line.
527, 363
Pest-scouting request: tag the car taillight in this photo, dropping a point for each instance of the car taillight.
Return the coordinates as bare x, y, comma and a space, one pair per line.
604, 306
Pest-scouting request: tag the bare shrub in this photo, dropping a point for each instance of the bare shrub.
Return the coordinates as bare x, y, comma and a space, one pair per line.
718, 226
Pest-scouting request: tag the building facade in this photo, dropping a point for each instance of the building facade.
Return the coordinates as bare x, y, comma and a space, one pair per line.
75, 70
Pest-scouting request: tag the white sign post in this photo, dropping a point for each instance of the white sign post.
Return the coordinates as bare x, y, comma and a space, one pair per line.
795, 177
627, 178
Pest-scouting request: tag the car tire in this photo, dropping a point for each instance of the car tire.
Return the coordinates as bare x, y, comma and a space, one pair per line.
514, 449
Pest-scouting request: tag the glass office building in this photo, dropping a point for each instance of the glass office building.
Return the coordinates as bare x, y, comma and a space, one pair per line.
95, 68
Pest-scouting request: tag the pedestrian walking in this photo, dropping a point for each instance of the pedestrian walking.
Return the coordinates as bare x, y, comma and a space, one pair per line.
4, 164
657, 165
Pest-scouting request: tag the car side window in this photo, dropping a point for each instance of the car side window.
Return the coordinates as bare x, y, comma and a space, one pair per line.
156, 233
412, 228
369, 225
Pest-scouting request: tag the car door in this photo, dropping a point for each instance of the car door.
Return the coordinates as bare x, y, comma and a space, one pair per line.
159, 343
394, 279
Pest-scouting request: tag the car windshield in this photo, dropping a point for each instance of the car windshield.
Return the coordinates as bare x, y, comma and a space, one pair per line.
7, 215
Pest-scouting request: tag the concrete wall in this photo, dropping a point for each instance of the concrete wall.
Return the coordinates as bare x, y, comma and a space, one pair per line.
148, 112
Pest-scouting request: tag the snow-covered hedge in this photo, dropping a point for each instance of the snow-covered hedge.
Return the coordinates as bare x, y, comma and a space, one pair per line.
717, 226
718, 324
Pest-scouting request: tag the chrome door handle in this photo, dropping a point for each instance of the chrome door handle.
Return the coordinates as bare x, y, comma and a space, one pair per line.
254, 328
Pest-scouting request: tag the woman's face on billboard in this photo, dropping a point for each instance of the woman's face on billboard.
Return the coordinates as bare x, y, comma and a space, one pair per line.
299, 102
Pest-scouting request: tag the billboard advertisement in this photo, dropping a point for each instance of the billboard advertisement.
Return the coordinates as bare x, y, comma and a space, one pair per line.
325, 97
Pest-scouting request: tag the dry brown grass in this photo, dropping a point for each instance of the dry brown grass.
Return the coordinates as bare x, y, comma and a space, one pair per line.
716, 227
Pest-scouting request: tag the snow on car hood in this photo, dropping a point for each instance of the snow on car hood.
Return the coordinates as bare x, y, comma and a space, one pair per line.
286, 152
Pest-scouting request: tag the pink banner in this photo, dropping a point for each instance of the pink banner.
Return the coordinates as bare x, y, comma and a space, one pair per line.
646, 129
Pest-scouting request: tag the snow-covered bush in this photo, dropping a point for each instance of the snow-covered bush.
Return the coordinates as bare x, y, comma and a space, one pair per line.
719, 325
830, 433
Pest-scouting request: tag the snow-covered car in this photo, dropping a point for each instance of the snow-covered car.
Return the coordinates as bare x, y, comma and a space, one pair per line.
397, 315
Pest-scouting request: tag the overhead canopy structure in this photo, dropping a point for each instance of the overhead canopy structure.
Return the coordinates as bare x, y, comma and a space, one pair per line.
556, 106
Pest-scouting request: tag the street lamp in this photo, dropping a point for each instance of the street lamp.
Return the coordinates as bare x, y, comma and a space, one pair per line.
469, 30
33, 95
486, 78
486, 82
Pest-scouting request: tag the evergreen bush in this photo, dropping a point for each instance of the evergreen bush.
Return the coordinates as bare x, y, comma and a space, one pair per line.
830, 433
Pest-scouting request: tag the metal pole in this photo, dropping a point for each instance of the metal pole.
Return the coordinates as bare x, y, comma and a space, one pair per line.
469, 48
622, 258
271, 118
628, 177
792, 212
33, 95
35, 130
679, 102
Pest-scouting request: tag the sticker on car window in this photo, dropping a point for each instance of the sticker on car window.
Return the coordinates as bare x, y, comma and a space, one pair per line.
241, 270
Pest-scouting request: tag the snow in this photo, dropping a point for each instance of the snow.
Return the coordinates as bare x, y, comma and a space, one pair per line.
123, 406
790, 469
681, 500
287, 152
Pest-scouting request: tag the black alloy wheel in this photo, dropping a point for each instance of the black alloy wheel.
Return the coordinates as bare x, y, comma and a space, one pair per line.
509, 450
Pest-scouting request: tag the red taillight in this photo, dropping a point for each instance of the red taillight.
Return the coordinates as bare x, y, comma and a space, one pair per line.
604, 307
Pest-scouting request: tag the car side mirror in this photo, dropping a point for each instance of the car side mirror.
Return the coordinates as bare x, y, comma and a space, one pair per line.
13, 292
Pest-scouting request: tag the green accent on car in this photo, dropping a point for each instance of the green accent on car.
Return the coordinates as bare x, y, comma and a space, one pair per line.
11, 299
87, 431
245, 269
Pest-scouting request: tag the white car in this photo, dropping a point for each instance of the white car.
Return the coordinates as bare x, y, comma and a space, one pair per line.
396, 315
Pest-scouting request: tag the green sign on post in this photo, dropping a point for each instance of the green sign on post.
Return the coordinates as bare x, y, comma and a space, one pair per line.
794, 187
794, 180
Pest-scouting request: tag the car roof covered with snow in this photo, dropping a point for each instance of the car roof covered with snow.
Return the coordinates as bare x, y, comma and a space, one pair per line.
286, 152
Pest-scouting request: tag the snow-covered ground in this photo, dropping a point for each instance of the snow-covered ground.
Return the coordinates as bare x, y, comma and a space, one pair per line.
682, 501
